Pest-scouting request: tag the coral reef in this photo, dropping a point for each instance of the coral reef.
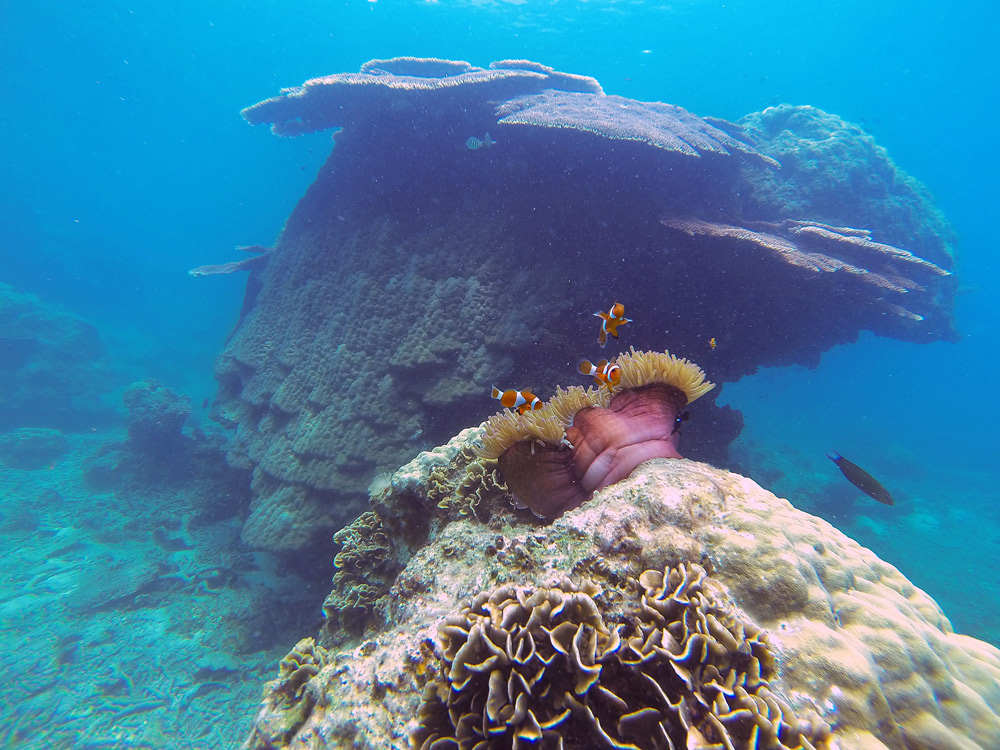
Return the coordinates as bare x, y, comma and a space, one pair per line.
542, 667
474, 267
832, 171
53, 366
381, 85
663, 126
137, 605
366, 566
876, 274
665, 574
156, 415
158, 449
290, 700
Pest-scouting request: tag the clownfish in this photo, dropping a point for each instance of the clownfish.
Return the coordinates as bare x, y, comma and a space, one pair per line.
603, 373
610, 321
521, 400
711, 343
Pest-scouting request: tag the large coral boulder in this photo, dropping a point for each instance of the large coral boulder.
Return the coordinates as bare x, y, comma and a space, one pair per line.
831, 634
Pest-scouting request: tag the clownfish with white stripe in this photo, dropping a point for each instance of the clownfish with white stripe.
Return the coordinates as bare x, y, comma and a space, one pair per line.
610, 321
604, 373
521, 400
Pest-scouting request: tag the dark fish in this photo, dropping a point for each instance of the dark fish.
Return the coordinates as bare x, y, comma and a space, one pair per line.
680, 419
861, 479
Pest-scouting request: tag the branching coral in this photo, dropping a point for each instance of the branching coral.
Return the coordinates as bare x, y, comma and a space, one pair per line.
541, 667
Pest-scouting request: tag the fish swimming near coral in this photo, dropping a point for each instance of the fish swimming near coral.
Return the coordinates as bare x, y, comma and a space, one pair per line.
861, 479
610, 321
474, 144
521, 400
712, 343
604, 373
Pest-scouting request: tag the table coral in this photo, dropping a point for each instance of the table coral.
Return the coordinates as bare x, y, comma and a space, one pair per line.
853, 642
663, 126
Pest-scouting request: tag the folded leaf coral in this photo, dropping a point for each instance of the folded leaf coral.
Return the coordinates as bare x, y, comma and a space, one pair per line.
542, 667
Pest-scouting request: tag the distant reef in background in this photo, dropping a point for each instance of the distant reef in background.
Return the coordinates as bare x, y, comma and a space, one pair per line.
470, 220
53, 366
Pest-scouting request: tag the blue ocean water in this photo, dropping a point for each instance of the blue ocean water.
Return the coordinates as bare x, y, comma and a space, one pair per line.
126, 163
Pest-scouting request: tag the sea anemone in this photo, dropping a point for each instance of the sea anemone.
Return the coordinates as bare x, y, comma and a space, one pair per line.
554, 458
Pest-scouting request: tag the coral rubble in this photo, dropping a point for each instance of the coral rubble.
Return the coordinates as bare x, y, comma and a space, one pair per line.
31, 447
416, 271
682, 607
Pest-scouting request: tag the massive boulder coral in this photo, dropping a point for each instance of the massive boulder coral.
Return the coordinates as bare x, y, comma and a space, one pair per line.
419, 269
667, 573
828, 164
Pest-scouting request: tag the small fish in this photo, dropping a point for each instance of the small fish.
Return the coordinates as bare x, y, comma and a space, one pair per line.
861, 479
610, 321
474, 143
521, 400
603, 373
711, 343
681, 418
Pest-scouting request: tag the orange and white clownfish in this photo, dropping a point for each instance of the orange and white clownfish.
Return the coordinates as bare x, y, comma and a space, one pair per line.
603, 373
521, 400
610, 321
